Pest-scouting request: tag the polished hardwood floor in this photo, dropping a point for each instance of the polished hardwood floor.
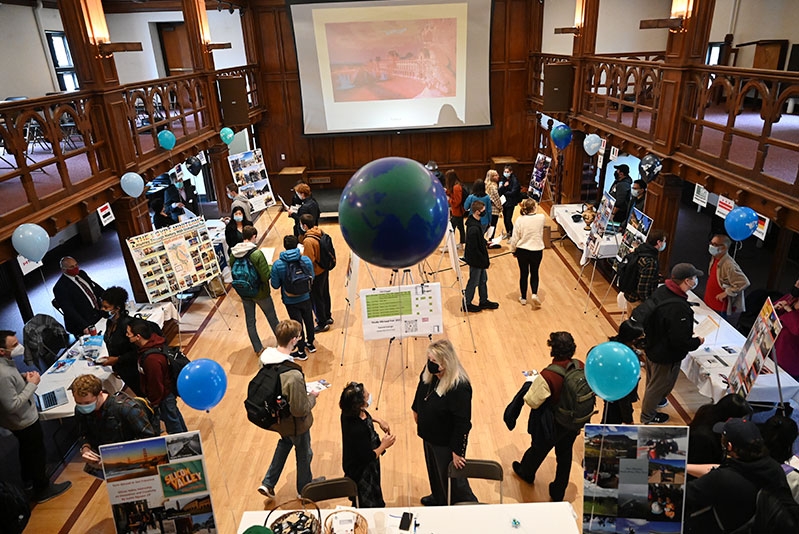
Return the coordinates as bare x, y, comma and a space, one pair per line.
506, 342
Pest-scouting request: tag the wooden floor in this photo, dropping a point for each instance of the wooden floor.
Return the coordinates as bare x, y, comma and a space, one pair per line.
506, 341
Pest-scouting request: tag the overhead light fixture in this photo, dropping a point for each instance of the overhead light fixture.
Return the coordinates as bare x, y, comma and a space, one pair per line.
680, 12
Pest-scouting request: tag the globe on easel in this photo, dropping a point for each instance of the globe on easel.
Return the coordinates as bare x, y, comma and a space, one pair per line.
393, 213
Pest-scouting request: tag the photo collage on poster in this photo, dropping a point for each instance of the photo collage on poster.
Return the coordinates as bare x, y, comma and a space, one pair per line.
249, 173
600, 225
755, 351
539, 178
637, 230
174, 259
634, 479
159, 485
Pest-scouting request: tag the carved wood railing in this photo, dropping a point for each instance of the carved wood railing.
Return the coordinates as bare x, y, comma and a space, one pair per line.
250, 75
535, 75
636, 56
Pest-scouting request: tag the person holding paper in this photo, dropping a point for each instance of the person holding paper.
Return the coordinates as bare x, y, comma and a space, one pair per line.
786, 347
308, 205
122, 354
492, 188
235, 227
726, 281
527, 245
179, 197
476, 257
509, 188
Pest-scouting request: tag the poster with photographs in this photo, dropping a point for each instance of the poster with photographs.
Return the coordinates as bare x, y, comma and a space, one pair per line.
159, 485
174, 259
249, 173
600, 225
634, 478
756, 349
637, 230
539, 178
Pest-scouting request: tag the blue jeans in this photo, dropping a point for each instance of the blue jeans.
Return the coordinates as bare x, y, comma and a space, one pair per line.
304, 456
168, 412
478, 278
268, 307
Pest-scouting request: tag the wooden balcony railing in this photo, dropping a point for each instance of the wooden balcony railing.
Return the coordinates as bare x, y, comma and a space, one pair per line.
535, 75
637, 56
249, 73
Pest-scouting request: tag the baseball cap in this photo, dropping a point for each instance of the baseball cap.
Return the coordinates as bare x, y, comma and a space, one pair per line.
739, 431
623, 168
431, 165
681, 271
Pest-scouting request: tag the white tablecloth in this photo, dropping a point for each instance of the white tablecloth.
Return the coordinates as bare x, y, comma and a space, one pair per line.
542, 517
562, 214
709, 366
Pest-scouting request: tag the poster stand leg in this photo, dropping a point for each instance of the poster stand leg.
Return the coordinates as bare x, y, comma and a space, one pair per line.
385, 367
344, 329
590, 286
177, 303
786, 408
213, 301
607, 291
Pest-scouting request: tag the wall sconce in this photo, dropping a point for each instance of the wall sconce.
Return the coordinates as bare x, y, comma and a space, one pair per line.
578, 21
680, 11
108, 49
569, 29
217, 46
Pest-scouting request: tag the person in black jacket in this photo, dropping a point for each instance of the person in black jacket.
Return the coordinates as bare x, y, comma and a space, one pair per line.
180, 196
703, 442
509, 188
621, 191
361, 446
78, 296
235, 227
669, 338
442, 410
161, 218
122, 354
309, 205
476, 257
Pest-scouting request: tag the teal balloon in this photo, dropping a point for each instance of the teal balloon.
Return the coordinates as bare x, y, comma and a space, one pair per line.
132, 184
561, 135
226, 134
202, 384
393, 213
612, 370
31, 241
741, 223
166, 139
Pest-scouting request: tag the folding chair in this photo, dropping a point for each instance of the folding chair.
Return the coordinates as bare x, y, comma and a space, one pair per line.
484, 469
333, 488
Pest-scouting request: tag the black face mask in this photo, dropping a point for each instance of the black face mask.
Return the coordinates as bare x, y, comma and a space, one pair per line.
433, 367
795, 291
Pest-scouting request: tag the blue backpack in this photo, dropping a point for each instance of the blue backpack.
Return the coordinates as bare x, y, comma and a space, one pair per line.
298, 280
246, 280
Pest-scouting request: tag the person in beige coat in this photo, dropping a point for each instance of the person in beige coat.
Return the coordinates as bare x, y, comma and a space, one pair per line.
726, 281
527, 245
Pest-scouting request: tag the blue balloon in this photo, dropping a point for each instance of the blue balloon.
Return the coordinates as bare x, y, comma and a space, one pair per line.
741, 223
612, 370
132, 184
31, 241
562, 136
166, 139
202, 384
226, 134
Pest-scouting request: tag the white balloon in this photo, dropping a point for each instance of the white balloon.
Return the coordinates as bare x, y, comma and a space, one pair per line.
132, 184
31, 241
592, 144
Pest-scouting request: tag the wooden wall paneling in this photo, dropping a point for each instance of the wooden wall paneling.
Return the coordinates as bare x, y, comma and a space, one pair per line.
474, 146
399, 144
320, 152
514, 110
342, 152
270, 42
455, 146
379, 147
495, 144
299, 150
420, 148
499, 36
518, 30
288, 49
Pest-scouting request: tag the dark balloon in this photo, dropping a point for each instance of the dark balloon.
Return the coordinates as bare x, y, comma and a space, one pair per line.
194, 165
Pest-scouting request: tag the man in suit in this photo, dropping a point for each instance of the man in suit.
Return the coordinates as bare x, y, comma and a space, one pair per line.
78, 296
180, 196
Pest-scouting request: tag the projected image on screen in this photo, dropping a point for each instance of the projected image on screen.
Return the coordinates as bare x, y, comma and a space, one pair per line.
392, 60
381, 65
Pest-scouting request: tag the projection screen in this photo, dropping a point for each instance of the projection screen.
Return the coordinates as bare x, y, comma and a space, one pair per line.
392, 65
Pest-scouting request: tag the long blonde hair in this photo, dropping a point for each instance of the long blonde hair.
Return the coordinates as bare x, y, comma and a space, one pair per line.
529, 206
491, 175
454, 373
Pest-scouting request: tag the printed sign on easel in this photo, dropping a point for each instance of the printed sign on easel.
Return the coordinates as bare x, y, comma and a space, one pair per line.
249, 173
599, 226
539, 178
635, 233
402, 311
758, 345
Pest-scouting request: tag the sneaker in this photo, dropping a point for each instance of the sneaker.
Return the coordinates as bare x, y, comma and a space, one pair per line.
301, 356
329, 321
659, 418
428, 500
488, 305
266, 491
52, 491
463, 259
493, 246
472, 308
321, 328
517, 468
663, 402
310, 347
536, 301
522, 301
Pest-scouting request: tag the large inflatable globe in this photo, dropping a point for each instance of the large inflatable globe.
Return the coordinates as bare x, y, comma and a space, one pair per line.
393, 213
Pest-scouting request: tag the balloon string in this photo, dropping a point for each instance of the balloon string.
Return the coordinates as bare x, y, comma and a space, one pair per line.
599, 460
219, 463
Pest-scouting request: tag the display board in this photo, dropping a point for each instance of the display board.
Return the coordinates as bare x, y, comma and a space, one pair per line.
401, 311
539, 178
634, 478
756, 349
249, 173
599, 227
174, 259
636, 232
159, 485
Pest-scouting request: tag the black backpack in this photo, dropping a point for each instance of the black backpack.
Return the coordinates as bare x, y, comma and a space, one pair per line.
327, 254
298, 281
175, 360
628, 272
775, 513
577, 399
464, 194
644, 312
265, 404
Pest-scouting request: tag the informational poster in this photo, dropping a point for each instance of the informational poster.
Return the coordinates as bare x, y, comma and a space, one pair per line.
614, 153
351, 277
159, 485
27, 265
106, 214
700, 195
539, 178
634, 478
762, 227
175, 258
756, 349
402, 311
638, 226
599, 226
725, 206
249, 173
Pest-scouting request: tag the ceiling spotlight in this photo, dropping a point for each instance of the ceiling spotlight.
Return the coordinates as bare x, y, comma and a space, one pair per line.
231, 9
219, 5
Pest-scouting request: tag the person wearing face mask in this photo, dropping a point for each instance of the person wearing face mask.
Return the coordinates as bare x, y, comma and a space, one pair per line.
104, 418
239, 200
510, 188
308, 205
442, 410
179, 197
620, 412
235, 227
476, 257
638, 193
19, 415
122, 354
787, 344
646, 257
669, 338
479, 193
78, 296
161, 218
621, 191
724, 292
361, 445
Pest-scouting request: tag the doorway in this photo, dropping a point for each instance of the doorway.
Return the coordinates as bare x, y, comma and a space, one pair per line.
175, 48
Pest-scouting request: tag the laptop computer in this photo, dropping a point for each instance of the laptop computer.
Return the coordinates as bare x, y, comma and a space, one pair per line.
51, 399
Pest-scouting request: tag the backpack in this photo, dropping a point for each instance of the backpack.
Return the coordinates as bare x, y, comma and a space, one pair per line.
246, 280
265, 404
628, 272
298, 281
327, 254
644, 312
577, 399
775, 513
465, 192
175, 360
44, 338
121, 399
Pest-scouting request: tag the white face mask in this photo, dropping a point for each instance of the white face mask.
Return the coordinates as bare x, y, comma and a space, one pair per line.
636, 192
713, 250
693, 283
662, 246
231, 196
369, 401
506, 175
19, 350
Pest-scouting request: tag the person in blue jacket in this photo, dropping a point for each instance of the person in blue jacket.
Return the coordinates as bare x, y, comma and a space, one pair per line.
297, 300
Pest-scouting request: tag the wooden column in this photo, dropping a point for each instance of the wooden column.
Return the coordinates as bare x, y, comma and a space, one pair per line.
221, 175
85, 27
663, 205
132, 219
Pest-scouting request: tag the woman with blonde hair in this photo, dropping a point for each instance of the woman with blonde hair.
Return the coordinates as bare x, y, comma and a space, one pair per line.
527, 244
442, 409
492, 189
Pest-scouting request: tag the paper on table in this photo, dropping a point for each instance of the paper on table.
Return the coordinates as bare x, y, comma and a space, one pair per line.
707, 326
317, 386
